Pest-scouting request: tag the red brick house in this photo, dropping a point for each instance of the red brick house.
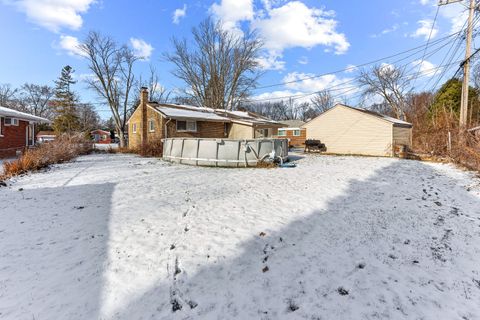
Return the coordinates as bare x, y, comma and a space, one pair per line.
101, 136
293, 132
17, 131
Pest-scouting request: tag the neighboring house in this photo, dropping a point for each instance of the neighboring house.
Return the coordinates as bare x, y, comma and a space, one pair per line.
101, 136
293, 132
45, 136
249, 125
152, 121
17, 131
347, 130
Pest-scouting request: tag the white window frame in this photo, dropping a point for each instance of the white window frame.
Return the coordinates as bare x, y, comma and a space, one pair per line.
151, 125
282, 133
187, 122
134, 128
295, 131
14, 120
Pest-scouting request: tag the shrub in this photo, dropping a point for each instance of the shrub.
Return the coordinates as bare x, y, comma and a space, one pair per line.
64, 148
151, 149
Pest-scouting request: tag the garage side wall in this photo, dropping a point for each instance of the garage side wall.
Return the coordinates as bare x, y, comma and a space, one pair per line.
240, 131
402, 136
346, 131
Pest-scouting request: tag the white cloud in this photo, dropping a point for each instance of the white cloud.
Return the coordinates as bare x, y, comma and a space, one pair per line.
296, 25
424, 2
179, 13
330, 82
394, 28
424, 29
424, 68
231, 12
351, 68
142, 49
54, 14
303, 60
457, 14
71, 45
271, 61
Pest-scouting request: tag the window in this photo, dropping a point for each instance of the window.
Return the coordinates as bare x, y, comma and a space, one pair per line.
282, 133
186, 126
151, 126
134, 128
265, 133
11, 122
296, 133
1, 127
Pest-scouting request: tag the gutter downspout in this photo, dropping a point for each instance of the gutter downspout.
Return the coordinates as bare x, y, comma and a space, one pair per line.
166, 128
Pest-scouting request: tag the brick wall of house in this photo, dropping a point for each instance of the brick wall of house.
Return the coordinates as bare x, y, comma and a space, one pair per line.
295, 141
205, 129
134, 139
12, 138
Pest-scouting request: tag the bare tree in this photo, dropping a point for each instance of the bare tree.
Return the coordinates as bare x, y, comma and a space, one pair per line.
156, 91
36, 98
322, 101
88, 117
112, 66
7, 94
390, 83
220, 69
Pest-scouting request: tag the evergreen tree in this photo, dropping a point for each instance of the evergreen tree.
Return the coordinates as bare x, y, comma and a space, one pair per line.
448, 97
65, 103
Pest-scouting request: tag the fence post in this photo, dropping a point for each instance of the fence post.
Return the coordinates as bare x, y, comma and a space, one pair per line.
449, 146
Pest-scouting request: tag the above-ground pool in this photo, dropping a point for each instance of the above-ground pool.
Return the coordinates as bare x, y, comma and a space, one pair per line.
223, 152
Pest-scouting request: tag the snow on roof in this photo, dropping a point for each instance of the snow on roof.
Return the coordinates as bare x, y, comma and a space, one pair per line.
46, 134
7, 112
248, 117
382, 116
188, 112
293, 123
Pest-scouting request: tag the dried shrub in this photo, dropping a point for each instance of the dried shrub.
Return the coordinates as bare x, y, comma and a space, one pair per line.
64, 148
266, 165
438, 137
151, 149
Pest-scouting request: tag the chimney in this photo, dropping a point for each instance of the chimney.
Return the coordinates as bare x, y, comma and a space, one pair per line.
143, 105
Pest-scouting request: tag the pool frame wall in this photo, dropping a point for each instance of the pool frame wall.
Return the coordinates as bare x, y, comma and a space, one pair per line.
222, 152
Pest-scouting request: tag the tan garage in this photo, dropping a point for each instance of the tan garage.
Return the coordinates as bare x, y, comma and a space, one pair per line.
347, 130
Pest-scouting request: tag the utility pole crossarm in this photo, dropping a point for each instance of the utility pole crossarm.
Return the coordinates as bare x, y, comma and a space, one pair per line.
445, 2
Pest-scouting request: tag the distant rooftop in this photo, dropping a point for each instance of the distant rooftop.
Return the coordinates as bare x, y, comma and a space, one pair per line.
292, 123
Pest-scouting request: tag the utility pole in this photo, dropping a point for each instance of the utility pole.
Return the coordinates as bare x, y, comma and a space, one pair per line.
466, 62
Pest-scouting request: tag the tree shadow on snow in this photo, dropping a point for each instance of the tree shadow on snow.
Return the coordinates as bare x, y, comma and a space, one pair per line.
53, 248
386, 249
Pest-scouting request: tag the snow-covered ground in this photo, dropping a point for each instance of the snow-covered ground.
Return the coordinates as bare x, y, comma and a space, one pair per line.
113, 236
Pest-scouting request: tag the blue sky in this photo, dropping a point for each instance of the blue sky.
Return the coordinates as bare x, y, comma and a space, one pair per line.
302, 38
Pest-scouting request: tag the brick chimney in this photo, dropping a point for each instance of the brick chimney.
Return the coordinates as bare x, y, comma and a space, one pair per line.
143, 105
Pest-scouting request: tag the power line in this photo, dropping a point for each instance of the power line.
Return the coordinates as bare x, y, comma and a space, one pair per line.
360, 65
428, 42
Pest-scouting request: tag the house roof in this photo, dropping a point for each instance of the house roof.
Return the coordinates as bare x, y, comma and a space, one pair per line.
7, 112
100, 130
293, 123
249, 118
183, 112
395, 122
46, 134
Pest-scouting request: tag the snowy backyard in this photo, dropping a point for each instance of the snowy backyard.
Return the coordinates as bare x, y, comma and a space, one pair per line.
112, 236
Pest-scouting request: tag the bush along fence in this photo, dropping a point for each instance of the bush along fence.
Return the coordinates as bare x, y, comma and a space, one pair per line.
64, 148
